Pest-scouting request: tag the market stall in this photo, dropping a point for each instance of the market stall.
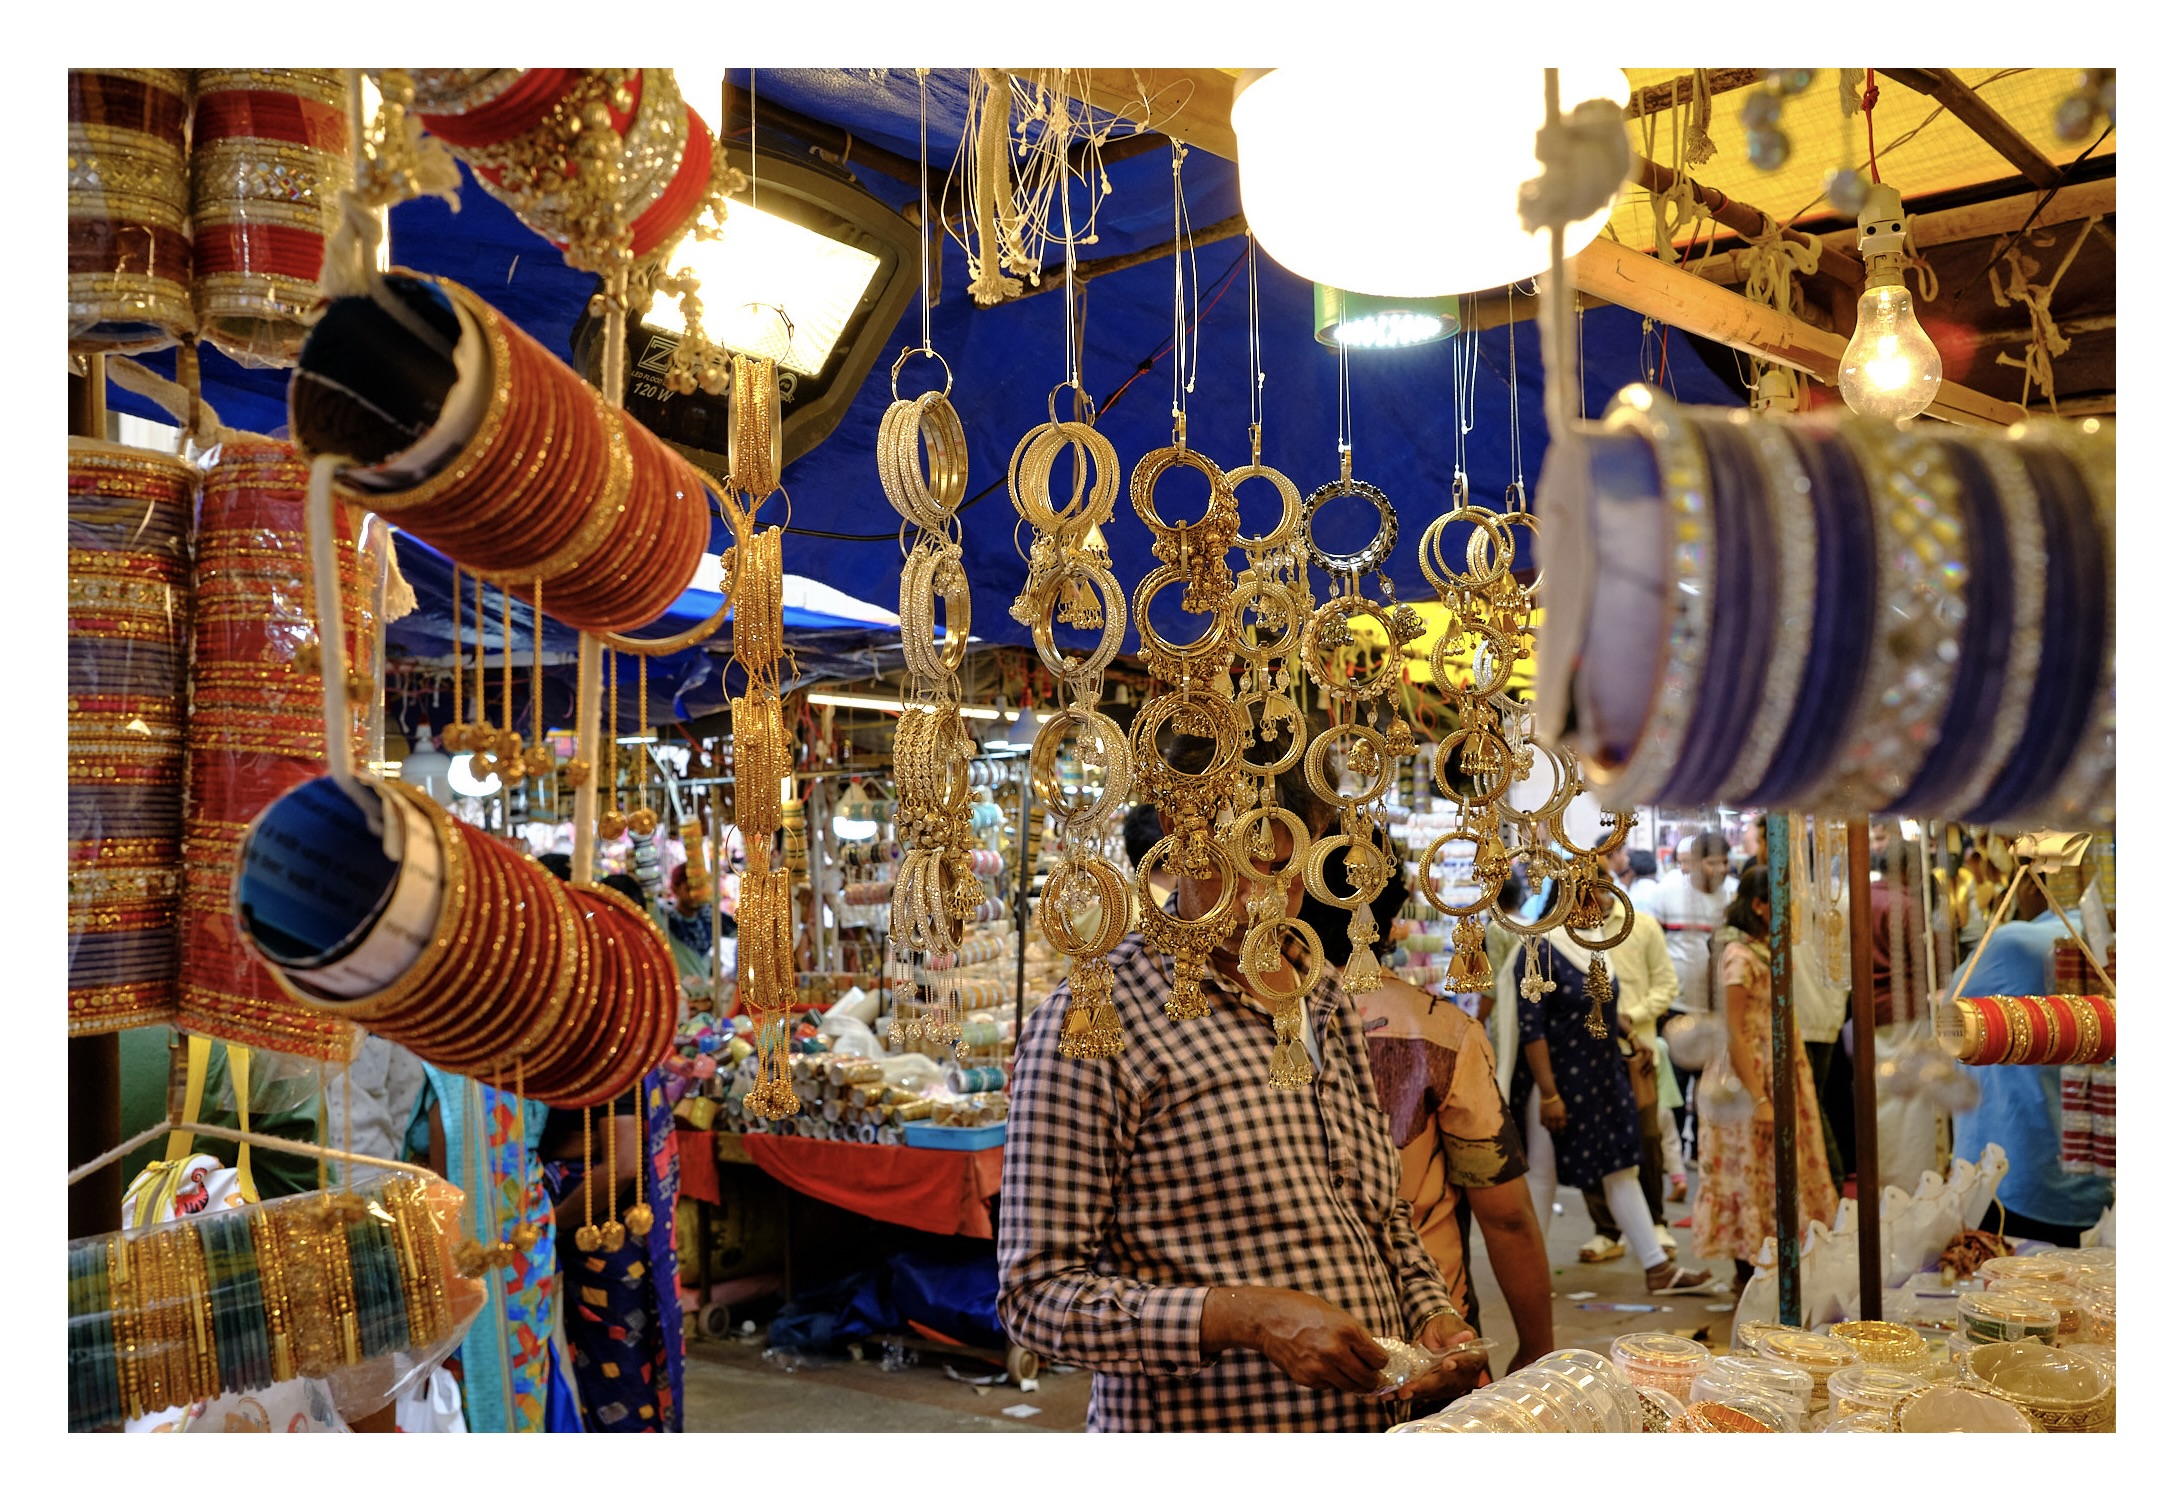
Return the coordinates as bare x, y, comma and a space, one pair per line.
641, 653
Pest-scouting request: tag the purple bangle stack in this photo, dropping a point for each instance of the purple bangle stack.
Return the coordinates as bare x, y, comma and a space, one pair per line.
1843, 615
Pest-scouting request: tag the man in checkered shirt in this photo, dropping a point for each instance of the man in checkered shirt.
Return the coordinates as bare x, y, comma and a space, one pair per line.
1218, 1252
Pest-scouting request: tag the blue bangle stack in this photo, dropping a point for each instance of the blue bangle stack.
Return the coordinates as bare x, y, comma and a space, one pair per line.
1842, 615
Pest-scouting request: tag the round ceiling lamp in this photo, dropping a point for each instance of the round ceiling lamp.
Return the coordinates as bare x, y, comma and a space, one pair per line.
1413, 196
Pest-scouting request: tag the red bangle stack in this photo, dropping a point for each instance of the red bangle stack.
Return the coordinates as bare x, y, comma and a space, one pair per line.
570, 992
269, 151
2046, 1030
257, 729
518, 129
128, 623
558, 486
128, 209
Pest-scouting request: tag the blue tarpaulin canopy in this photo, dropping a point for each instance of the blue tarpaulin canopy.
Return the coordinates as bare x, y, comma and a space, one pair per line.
1006, 358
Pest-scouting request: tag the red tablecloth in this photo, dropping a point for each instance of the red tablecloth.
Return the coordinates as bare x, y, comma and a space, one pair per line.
700, 1172
944, 1192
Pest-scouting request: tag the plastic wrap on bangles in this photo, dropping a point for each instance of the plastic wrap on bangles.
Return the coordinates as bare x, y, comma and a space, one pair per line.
470, 435
128, 639
357, 1287
128, 209
269, 155
444, 939
1834, 614
257, 727
574, 150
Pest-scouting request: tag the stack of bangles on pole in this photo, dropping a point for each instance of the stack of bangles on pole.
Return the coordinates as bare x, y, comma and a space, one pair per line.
936, 885
269, 152
1844, 616
467, 433
128, 210
238, 1300
1352, 763
128, 627
2036, 1029
466, 952
1084, 910
766, 952
257, 728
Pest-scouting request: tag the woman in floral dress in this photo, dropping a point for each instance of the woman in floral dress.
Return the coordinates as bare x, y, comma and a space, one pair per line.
1736, 1205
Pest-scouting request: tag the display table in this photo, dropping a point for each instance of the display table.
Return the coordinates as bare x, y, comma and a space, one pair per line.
942, 1192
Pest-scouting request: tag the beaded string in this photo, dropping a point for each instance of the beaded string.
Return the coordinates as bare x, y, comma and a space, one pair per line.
479, 581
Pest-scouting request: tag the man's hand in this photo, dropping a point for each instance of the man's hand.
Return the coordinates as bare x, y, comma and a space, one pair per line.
1314, 1343
1446, 1331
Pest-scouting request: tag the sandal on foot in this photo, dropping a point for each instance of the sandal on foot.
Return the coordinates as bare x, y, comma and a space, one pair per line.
1681, 1279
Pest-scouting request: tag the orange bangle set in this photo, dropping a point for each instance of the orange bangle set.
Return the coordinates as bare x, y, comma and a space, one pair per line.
2037, 1029
574, 989
558, 487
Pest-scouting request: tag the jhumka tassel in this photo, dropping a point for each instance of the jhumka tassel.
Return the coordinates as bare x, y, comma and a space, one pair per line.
1600, 990
773, 1097
1292, 1062
1535, 983
1187, 1000
1468, 970
1362, 971
1091, 1028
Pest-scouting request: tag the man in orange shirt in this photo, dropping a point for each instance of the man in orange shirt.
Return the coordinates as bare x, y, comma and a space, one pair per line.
1462, 1153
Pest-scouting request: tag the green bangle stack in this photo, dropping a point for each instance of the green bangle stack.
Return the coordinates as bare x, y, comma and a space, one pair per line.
94, 1380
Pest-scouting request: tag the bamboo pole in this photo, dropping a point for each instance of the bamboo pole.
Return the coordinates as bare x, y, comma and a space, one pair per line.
1982, 119
1789, 1223
1864, 1108
1749, 222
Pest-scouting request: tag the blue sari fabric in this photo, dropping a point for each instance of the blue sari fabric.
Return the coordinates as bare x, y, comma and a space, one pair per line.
624, 1308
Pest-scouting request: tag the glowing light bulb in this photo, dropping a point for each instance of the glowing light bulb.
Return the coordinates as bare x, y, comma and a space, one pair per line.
1890, 368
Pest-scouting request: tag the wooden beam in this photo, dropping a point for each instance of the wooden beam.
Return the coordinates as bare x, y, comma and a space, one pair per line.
1983, 119
1746, 220
1637, 281
1189, 104
1654, 98
1949, 226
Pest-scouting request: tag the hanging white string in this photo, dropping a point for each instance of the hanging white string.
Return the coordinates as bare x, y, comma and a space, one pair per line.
1342, 399
1516, 427
1258, 373
1179, 387
754, 137
1069, 283
925, 220
1468, 340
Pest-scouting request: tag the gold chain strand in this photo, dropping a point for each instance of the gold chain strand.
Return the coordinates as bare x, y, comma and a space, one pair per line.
639, 1218
458, 732
587, 1234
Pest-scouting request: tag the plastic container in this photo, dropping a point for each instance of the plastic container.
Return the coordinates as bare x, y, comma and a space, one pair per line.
1859, 1422
1664, 1361
1747, 1412
1817, 1355
1661, 1409
1555, 1401
955, 1138
2060, 1391
1614, 1399
1748, 1334
1956, 1409
1882, 1345
1873, 1390
1726, 1377
1992, 1318
2024, 1269
1478, 1412
2069, 1303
